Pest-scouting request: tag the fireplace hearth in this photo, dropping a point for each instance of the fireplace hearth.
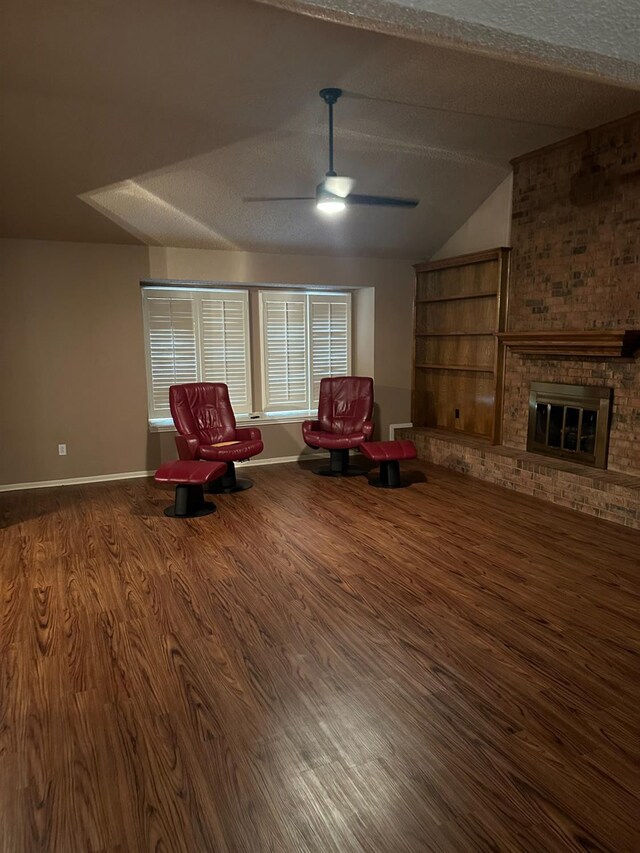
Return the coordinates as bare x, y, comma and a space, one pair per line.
570, 422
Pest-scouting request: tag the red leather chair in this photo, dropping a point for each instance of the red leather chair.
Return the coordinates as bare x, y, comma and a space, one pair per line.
344, 420
207, 430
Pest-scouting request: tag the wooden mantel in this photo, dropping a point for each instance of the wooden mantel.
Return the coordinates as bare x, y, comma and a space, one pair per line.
612, 343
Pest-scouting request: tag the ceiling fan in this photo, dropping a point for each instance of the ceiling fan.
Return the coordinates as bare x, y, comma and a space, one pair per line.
333, 194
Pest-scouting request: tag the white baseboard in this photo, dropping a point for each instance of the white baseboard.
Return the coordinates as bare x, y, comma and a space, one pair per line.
276, 460
394, 427
133, 475
74, 481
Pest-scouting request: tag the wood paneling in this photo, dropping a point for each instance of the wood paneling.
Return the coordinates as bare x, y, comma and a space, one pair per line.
470, 277
459, 349
440, 394
320, 666
458, 363
469, 315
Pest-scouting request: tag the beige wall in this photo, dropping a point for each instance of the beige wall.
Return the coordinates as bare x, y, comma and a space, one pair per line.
72, 360
72, 349
487, 227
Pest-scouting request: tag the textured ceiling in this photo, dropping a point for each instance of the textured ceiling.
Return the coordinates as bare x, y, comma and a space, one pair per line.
588, 37
150, 121
610, 29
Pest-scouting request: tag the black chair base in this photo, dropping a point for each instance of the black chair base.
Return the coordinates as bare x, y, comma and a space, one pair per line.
229, 483
338, 466
348, 472
378, 484
190, 502
389, 476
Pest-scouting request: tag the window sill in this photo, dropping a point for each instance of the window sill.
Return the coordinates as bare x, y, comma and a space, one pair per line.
166, 424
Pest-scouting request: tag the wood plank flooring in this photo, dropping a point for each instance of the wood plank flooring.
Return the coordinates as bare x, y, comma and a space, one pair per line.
319, 666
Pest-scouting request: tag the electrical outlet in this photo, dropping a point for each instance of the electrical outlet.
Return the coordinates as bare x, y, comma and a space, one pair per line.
62, 450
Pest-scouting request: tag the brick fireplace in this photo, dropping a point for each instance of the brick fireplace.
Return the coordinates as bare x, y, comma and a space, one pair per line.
575, 276
576, 266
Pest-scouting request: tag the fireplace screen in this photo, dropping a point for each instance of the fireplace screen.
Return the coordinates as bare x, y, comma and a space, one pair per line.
570, 421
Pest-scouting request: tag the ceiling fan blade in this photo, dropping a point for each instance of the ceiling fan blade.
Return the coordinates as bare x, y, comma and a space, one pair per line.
280, 198
338, 185
381, 201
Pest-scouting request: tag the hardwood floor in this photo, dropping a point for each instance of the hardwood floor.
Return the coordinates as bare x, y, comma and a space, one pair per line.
319, 666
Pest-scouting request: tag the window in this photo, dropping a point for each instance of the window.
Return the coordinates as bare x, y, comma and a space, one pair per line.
305, 336
202, 334
196, 335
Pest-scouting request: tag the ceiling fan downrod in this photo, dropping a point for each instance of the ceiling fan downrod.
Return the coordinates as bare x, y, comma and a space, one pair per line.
330, 96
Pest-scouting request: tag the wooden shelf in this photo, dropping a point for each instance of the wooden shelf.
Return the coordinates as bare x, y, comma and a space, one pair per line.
460, 305
611, 343
499, 255
486, 295
472, 367
454, 334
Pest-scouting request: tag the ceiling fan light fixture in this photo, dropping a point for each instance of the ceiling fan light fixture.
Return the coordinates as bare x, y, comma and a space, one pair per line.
330, 205
328, 202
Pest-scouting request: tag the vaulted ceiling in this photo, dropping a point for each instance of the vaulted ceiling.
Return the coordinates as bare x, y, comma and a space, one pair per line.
150, 121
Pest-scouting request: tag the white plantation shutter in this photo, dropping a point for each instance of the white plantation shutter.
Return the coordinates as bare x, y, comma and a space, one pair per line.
330, 326
305, 336
284, 351
224, 345
196, 335
171, 347
203, 334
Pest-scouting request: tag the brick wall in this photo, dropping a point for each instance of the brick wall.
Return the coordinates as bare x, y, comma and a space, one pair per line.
604, 494
575, 266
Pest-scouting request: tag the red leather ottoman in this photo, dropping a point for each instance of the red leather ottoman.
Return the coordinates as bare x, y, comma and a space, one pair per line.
190, 476
389, 454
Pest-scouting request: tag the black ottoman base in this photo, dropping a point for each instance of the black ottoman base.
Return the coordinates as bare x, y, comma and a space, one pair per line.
389, 476
190, 502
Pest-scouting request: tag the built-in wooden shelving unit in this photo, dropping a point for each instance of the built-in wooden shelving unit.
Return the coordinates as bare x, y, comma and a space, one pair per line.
460, 306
